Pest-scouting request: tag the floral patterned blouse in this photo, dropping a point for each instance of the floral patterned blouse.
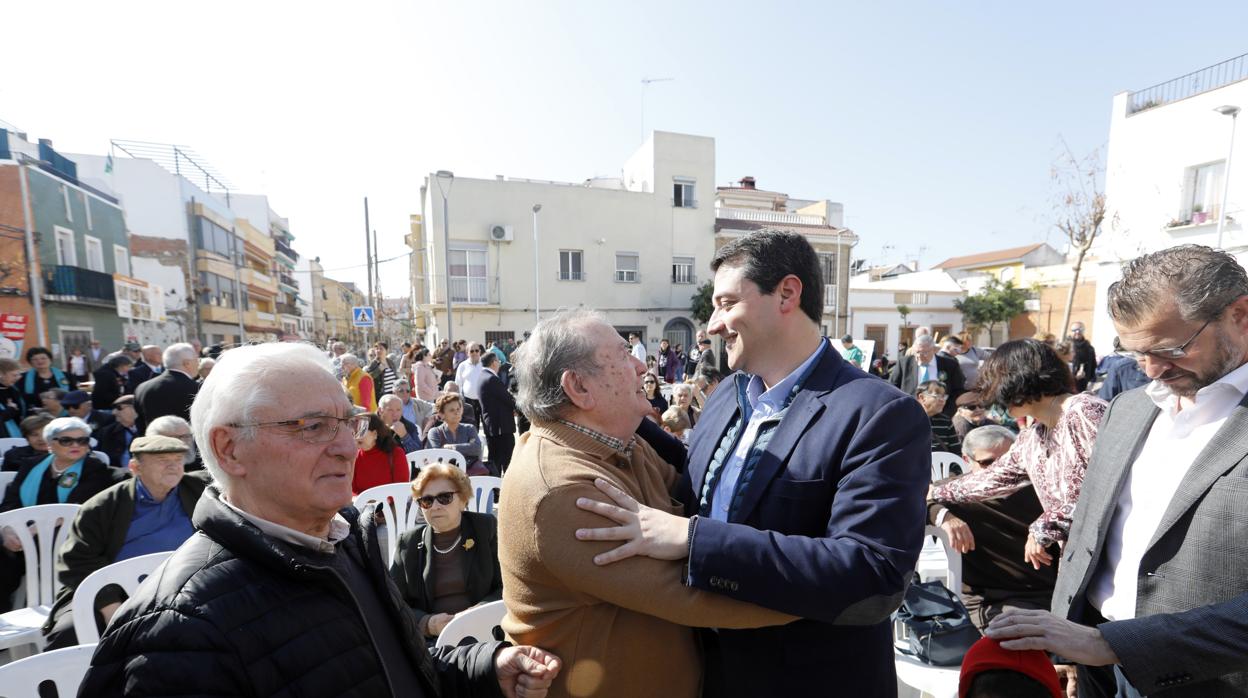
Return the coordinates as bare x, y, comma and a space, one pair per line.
1052, 461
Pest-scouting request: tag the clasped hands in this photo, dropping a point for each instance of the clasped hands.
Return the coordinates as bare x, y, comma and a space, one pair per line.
644, 530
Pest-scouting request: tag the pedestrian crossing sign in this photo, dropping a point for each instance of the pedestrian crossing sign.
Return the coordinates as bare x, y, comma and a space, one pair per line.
362, 316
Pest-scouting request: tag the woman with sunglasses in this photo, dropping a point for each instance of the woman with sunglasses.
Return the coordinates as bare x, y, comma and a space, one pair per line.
658, 403
1053, 447
450, 563
381, 459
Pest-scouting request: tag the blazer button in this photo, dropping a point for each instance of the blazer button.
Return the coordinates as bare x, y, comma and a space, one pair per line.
1070, 599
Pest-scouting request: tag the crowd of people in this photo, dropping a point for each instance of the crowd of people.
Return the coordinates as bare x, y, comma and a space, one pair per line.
663, 529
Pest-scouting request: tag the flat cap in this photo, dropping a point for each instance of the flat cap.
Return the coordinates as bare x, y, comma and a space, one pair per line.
123, 400
75, 397
157, 444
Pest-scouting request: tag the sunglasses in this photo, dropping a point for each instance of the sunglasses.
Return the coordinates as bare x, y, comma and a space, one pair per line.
475, 351
73, 440
445, 499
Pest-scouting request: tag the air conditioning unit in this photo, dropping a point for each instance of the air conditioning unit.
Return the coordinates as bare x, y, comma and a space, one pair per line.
502, 233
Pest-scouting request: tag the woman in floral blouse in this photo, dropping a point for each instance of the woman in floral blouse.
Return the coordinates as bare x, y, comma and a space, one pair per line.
1052, 450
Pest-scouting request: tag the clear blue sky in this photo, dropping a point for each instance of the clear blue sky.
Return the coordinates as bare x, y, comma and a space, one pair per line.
934, 123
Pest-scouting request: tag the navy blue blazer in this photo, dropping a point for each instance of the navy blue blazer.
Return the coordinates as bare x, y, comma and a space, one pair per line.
829, 529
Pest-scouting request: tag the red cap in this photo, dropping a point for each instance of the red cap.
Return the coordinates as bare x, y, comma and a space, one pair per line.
987, 655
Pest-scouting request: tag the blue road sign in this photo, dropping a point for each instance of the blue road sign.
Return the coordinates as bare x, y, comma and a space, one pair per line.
362, 316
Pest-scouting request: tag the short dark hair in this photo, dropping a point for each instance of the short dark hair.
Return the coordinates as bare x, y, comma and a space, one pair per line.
848, 339
710, 373
767, 256
1022, 371
488, 359
1202, 281
36, 351
954, 340
118, 361
382, 344
1004, 683
926, 386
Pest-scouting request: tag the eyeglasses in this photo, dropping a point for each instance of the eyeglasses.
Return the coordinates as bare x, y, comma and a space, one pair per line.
444, 498
73, 440
474, 351
317, 430
1169, 354
938, 396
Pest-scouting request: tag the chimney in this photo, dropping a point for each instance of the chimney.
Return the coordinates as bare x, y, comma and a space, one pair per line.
747, 182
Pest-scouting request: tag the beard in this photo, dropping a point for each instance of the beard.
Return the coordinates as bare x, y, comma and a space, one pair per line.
1226, 359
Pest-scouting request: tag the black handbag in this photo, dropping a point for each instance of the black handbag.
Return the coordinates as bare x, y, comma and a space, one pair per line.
932, 625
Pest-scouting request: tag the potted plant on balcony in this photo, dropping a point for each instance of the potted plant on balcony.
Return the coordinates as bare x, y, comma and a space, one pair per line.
1198, 214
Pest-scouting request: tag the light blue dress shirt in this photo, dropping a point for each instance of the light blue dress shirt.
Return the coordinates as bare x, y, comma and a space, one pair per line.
763, 407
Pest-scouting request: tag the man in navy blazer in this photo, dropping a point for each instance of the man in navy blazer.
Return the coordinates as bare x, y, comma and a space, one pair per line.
805, 483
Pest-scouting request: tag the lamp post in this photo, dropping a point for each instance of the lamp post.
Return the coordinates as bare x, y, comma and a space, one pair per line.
449, 179
1233, 112
537, 271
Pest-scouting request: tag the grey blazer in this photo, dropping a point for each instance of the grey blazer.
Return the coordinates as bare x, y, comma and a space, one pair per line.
1190, 633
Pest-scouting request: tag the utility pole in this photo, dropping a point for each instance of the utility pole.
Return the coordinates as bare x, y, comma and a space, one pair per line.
368, 250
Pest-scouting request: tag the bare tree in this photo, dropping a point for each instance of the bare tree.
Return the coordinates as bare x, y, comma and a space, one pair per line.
1079, 210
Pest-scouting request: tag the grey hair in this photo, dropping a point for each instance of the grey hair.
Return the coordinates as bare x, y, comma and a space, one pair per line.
986, 437
1201, 280
924, 340
682, 388
164, 425
488, 359
557, 345
245, 379
355, 360
60, 425
387, 399
177, 354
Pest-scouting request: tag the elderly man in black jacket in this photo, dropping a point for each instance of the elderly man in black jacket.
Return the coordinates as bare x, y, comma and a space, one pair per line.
283, 588
173, 391
498, 408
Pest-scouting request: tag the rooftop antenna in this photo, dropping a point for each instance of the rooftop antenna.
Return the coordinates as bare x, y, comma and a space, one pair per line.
645, 82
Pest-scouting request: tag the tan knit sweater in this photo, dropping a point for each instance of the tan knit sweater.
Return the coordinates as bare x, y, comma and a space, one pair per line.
621, 630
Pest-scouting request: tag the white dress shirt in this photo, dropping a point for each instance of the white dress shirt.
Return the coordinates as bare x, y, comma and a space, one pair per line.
927, 372
639, 350
1169, 451
470, 377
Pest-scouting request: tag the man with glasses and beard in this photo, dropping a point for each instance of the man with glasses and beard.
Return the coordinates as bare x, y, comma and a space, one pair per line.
283, 588
1152, 592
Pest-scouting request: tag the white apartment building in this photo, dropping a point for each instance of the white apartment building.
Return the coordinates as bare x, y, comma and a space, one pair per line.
634, 247
1169, 146
874, 315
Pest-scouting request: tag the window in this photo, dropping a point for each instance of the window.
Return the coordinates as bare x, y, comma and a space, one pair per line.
682, 194
942, 331
500, 338
121, 260
66, 255
910, 298
827, 266
627, 267
86, 206
468, 276
1202, 191
69, 211
213, 238
682, 270
216, 290
95, 253
570, 265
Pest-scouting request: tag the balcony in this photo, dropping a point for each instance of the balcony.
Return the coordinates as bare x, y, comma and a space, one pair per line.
287, 309
283, 249
1203, 80
749, 214
287, 282
78, 285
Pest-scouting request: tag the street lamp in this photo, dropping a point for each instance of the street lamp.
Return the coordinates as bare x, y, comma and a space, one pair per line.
1233, 112
449, 179
537, 270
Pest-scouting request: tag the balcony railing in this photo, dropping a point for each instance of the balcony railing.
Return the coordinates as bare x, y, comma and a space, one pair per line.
286, 250
287, 280
1203, 80
749, 214
76, 284
287, 309
570, 275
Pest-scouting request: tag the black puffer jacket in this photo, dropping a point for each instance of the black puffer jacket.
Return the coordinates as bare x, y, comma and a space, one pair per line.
236, 613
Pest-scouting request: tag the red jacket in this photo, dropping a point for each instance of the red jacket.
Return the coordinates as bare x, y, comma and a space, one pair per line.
374, 467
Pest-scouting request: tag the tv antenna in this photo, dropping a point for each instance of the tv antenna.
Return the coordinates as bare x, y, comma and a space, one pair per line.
646, 82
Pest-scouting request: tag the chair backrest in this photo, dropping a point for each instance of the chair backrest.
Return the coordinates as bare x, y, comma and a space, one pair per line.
479, 624
953, 567
485, 491
429, 456
65, 668
10, 442
942, 465
51, 523
101, 457
397, 507
6, 477
127, 574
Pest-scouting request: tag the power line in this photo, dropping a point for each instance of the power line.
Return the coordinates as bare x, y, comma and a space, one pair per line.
355, 266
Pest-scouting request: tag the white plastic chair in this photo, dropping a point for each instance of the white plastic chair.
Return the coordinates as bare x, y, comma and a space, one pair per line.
64, 667
937, 681
429, 456
400, 511
942, 465
484, 489
101, 457
479, 624
127, 574
6, 477
10, 442
21, 627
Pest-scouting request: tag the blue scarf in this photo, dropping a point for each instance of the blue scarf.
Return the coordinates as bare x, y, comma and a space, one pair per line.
69, 480
57, 374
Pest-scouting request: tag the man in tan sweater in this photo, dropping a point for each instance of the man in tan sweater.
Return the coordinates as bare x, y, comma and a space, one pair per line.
623, 629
